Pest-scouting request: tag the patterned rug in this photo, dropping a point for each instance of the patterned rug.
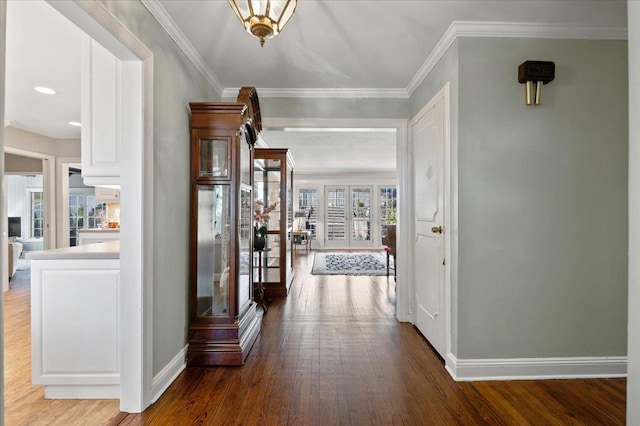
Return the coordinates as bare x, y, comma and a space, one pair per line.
349, 264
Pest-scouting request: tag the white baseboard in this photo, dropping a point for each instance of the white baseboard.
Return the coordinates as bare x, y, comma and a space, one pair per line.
164, 378
535, 368
81, 391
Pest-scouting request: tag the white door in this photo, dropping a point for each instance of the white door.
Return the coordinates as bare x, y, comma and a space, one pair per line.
427, 131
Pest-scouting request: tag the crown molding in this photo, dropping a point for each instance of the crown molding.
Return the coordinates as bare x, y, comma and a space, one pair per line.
161, 15
514, 30
231, 92
455, 30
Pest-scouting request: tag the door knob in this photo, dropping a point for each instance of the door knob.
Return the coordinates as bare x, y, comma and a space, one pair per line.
437, 229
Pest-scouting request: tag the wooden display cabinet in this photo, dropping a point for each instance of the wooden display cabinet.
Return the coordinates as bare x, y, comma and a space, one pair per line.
273, 183
223, 321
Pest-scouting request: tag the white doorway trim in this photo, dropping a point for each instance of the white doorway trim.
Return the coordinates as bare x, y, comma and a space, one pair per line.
3, 204
48, 190
404, 299
63, 164
136, 253
450, 210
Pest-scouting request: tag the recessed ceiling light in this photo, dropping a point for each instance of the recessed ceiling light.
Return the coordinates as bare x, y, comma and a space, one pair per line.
45, 90
75, 123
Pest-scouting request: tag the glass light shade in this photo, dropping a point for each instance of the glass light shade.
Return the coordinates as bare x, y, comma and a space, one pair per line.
264, 18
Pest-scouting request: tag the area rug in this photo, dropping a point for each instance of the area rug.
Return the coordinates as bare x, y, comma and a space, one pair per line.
349, 264
23, 264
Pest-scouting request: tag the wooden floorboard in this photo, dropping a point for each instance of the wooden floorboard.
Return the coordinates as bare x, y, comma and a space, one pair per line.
331, 353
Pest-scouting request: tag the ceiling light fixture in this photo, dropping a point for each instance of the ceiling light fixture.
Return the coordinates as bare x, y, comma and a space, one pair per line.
75, 123
264, 18
44, 90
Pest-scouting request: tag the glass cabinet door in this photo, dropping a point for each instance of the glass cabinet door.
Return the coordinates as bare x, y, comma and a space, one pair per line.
214, 158
272, 185
213, 245
267, 196
246, 228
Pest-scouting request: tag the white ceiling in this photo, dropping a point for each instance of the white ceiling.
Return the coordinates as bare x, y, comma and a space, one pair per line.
43, 49
371, 44
354, 47
319, 152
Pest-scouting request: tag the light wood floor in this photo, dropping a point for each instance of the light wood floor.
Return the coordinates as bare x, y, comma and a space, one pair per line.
330, 353
24, 402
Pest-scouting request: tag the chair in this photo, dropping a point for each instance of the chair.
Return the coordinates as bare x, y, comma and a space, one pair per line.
389, 241
15, 249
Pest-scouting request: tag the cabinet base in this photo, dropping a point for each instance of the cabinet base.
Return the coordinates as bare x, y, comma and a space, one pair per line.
211, 345
275, 289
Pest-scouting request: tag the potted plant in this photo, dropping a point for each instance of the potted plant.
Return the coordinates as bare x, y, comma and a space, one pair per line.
261, 216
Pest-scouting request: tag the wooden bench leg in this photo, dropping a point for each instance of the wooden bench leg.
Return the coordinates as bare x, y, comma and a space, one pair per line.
388, 264
395, 266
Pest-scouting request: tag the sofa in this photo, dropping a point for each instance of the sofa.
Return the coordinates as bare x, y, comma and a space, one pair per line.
14, 252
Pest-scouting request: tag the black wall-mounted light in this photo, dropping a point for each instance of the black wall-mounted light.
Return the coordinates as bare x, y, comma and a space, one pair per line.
538, 72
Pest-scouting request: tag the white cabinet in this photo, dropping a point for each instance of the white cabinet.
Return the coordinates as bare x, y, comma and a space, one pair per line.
107, 195
75, 318
100, 139
111, 99
91, 236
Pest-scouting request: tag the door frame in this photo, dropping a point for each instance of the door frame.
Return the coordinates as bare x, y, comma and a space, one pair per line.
136, 250
63, 164
48, 192
449, 211
404, 293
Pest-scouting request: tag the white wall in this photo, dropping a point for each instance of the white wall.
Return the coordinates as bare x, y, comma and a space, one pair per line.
19, 190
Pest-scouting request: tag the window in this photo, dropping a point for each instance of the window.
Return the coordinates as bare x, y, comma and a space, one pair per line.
96, 212
76, 217
348, 216
83, 209
37, 215
336, 214
361, 214
308, 204
388, 207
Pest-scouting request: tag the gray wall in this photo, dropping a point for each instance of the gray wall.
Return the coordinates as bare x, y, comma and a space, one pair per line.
22, 139
633, 368
176, 83
366, 108
542, 201
19, 164
542, 190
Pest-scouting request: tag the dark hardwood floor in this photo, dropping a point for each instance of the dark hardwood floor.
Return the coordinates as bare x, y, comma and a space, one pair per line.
333, 353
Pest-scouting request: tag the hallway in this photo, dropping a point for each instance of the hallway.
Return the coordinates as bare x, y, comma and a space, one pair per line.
332, 352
